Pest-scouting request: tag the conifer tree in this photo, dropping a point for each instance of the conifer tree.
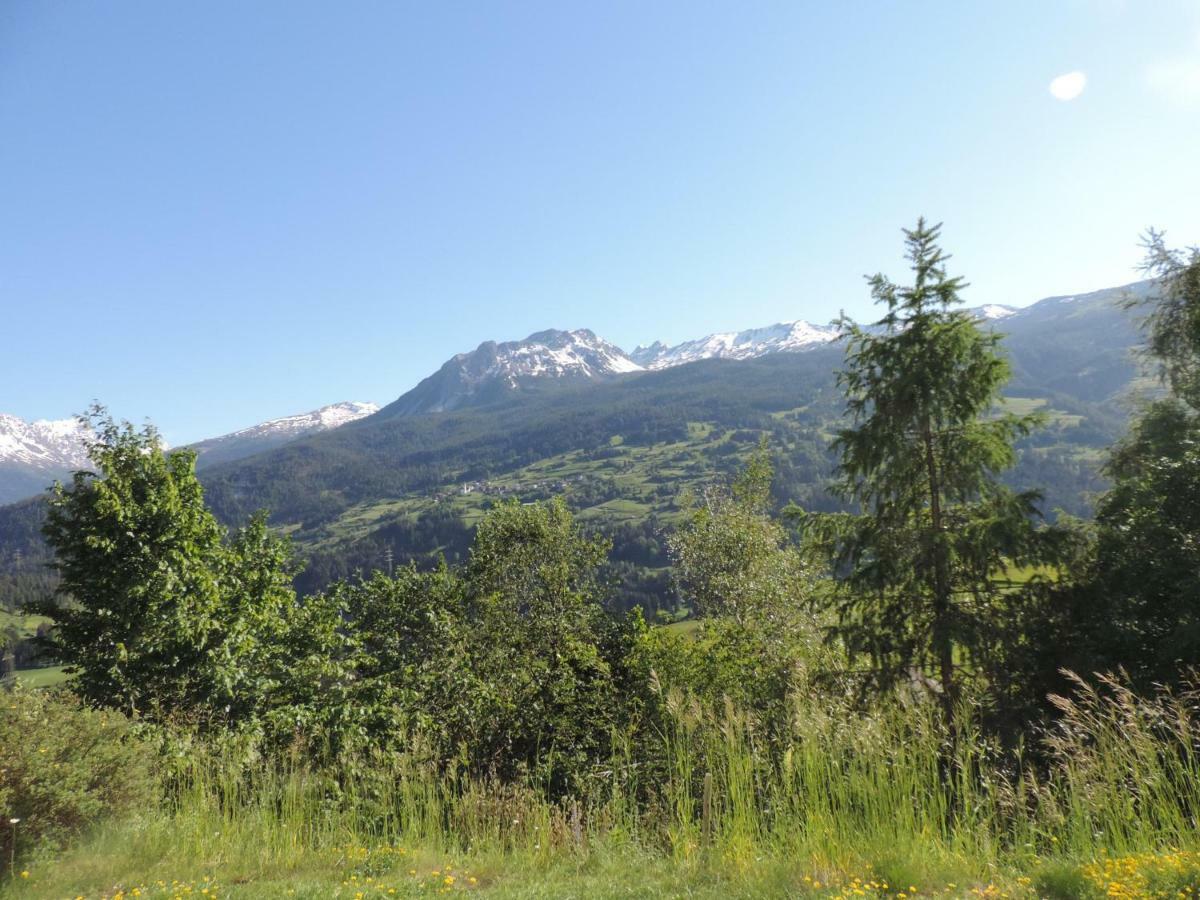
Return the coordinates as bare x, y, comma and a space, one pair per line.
923, 563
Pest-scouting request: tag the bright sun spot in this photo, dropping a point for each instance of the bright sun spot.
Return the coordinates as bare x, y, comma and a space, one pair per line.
1069, 86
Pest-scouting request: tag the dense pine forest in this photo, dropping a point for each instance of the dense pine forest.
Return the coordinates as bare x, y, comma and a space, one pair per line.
919, 679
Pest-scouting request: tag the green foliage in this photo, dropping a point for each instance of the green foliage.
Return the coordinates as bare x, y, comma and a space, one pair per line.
369, 664
1132, 605
508, 666
1172, 325
1145, 574
737, 567
157, 614
65, 767
549, 659
733, 560
920, 585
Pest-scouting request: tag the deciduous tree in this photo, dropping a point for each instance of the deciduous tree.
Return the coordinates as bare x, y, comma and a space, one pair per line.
155, 612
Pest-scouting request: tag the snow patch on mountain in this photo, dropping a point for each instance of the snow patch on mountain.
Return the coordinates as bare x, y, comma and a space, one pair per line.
553, 353
994, 311
780, 338
333, 416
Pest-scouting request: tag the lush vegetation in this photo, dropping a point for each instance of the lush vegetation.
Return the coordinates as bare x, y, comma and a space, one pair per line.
873, 698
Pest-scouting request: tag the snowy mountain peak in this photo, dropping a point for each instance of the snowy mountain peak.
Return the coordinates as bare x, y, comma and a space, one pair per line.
493, 370
547, 353
34, 454
48, 444
332, 416
994, 311
276, 432
782, 337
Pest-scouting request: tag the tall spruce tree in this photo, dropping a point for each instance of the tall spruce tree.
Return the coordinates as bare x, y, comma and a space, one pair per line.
922, 565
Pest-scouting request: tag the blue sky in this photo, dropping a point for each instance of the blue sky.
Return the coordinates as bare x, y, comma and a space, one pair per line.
220, 212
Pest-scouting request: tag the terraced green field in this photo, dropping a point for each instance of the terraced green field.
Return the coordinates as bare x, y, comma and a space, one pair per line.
1023, 406
627, 483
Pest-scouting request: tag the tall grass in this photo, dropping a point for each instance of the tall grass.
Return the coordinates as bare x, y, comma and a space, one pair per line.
882, 792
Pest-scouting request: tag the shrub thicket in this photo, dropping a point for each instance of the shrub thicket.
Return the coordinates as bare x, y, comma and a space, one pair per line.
65, 767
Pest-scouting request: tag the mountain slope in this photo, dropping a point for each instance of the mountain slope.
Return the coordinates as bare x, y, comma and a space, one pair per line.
276, 432
493, 372
1082, 345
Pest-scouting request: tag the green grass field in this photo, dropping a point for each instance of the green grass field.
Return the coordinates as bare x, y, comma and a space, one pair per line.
646, 479
40, 678
25, 625
386, 871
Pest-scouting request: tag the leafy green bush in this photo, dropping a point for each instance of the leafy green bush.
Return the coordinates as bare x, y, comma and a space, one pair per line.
64, 767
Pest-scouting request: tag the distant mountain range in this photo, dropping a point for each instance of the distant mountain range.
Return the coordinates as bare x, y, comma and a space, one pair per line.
783, 337
492, 370
1092, 363
623, 437
35, 454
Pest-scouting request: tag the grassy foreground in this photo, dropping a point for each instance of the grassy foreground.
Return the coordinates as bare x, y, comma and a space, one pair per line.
852, 807
163, 858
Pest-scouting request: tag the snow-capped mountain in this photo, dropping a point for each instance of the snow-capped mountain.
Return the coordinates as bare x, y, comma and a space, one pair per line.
783, 337
273, 433
46, 443
492, 371
558, 354
993, 311
34, 454
332, 416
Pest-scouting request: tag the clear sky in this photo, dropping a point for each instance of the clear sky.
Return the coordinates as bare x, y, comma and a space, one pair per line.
214, 213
